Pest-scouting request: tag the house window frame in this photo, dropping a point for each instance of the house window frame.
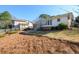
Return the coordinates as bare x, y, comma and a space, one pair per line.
58, 20
49, 22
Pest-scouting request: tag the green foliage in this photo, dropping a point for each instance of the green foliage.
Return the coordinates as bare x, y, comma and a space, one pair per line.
5, 16
53, 28
11, 32
44, 28
5, 19
47, 28
61, 26
1, 35
45, 16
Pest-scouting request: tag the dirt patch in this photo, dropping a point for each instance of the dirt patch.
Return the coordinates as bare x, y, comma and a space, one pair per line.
26, 44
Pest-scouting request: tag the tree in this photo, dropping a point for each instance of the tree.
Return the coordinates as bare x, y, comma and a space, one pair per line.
6, 18
45, 16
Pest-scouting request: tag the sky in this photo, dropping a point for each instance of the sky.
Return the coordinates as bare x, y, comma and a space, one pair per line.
32, 12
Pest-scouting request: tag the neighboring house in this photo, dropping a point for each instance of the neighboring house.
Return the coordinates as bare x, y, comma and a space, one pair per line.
22, 24
30, 24
55, 21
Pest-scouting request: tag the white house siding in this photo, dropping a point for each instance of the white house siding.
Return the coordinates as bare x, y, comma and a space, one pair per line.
63, 19
19, 24
21, 27
30, 25
55, 22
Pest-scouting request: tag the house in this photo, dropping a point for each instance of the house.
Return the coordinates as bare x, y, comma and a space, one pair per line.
30, 24
54, 21
22, 24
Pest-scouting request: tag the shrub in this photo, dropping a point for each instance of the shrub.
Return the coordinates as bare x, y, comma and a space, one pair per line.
47, 28
53, 28
61, 26
40, 29
44, 28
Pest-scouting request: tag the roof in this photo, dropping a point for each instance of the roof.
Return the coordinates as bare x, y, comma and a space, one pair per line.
58, 16
23, 23
20, 20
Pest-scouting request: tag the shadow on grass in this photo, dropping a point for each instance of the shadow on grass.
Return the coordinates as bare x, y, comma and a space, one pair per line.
38, 33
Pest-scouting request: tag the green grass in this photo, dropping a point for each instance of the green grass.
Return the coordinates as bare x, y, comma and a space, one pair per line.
74, 31
57, 33
2, 35
70, 35
38, 32
11, 32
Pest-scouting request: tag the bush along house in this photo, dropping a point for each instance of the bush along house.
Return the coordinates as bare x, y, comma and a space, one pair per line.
47, 22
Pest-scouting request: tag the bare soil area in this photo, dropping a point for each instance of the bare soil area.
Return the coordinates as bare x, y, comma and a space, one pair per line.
32, 44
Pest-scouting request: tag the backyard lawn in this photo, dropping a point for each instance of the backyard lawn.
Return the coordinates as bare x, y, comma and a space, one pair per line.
32, 44
70, 35
40, 42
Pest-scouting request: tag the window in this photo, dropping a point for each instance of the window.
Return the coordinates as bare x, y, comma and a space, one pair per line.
58, 19
49, 22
